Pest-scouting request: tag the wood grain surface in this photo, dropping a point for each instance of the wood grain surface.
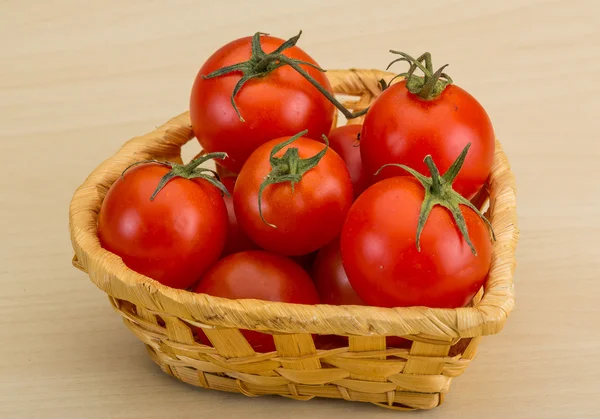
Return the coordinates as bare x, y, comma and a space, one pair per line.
79, 78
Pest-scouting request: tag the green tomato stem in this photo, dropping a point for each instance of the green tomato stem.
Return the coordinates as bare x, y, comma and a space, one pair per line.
188, 171
261, 64
432, 84
438, 191
288, 168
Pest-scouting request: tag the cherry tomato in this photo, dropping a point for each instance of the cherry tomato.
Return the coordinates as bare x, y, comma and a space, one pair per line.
331, 279
334, 288
380, 255
303, 218
401, 127
259, 275
280, 103
173, 238
344, 141
237, 240
229, 182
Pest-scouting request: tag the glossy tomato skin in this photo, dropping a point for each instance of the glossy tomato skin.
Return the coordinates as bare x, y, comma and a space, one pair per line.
344, 141
237, 240
330, 278
281, 103
381, 259
334, 288
172, 239
259, 275
307, 218
400, 127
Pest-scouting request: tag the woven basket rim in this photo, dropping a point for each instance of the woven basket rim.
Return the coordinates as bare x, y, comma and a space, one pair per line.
108, 272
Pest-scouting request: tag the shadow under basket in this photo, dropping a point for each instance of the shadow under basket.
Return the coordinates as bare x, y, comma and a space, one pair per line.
441, 342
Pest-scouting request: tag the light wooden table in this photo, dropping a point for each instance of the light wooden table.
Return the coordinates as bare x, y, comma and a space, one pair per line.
79, 78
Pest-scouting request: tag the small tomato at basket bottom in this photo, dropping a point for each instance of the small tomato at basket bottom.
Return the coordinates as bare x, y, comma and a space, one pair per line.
380, 250
334, 288
259, 275
172, 238
344, 141
300, 217
330, 278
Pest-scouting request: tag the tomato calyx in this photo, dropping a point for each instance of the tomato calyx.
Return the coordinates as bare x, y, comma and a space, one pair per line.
187, 171
288, 168
428, 87
261, 64
438, 191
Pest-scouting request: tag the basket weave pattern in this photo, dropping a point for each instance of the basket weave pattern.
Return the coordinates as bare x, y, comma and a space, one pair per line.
444, 341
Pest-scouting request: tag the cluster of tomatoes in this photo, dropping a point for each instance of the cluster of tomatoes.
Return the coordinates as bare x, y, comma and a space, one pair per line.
297, 212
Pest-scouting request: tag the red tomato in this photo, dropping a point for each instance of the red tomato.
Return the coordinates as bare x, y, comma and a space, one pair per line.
259, 275
307, 217
237, 240
173, 238
400, 127
331, 279
380, 255
344, 141
229, 182
280, 103
334, 288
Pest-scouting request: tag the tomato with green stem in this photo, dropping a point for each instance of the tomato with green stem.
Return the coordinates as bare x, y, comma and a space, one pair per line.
414, 241
166, 221
427, 115
255, 89
292, 199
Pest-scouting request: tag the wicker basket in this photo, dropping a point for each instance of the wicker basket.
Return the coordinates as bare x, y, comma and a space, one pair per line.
444, 341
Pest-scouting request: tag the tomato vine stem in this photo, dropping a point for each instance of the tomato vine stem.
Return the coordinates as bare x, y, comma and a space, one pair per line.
192, 170
428, 87
261, 64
